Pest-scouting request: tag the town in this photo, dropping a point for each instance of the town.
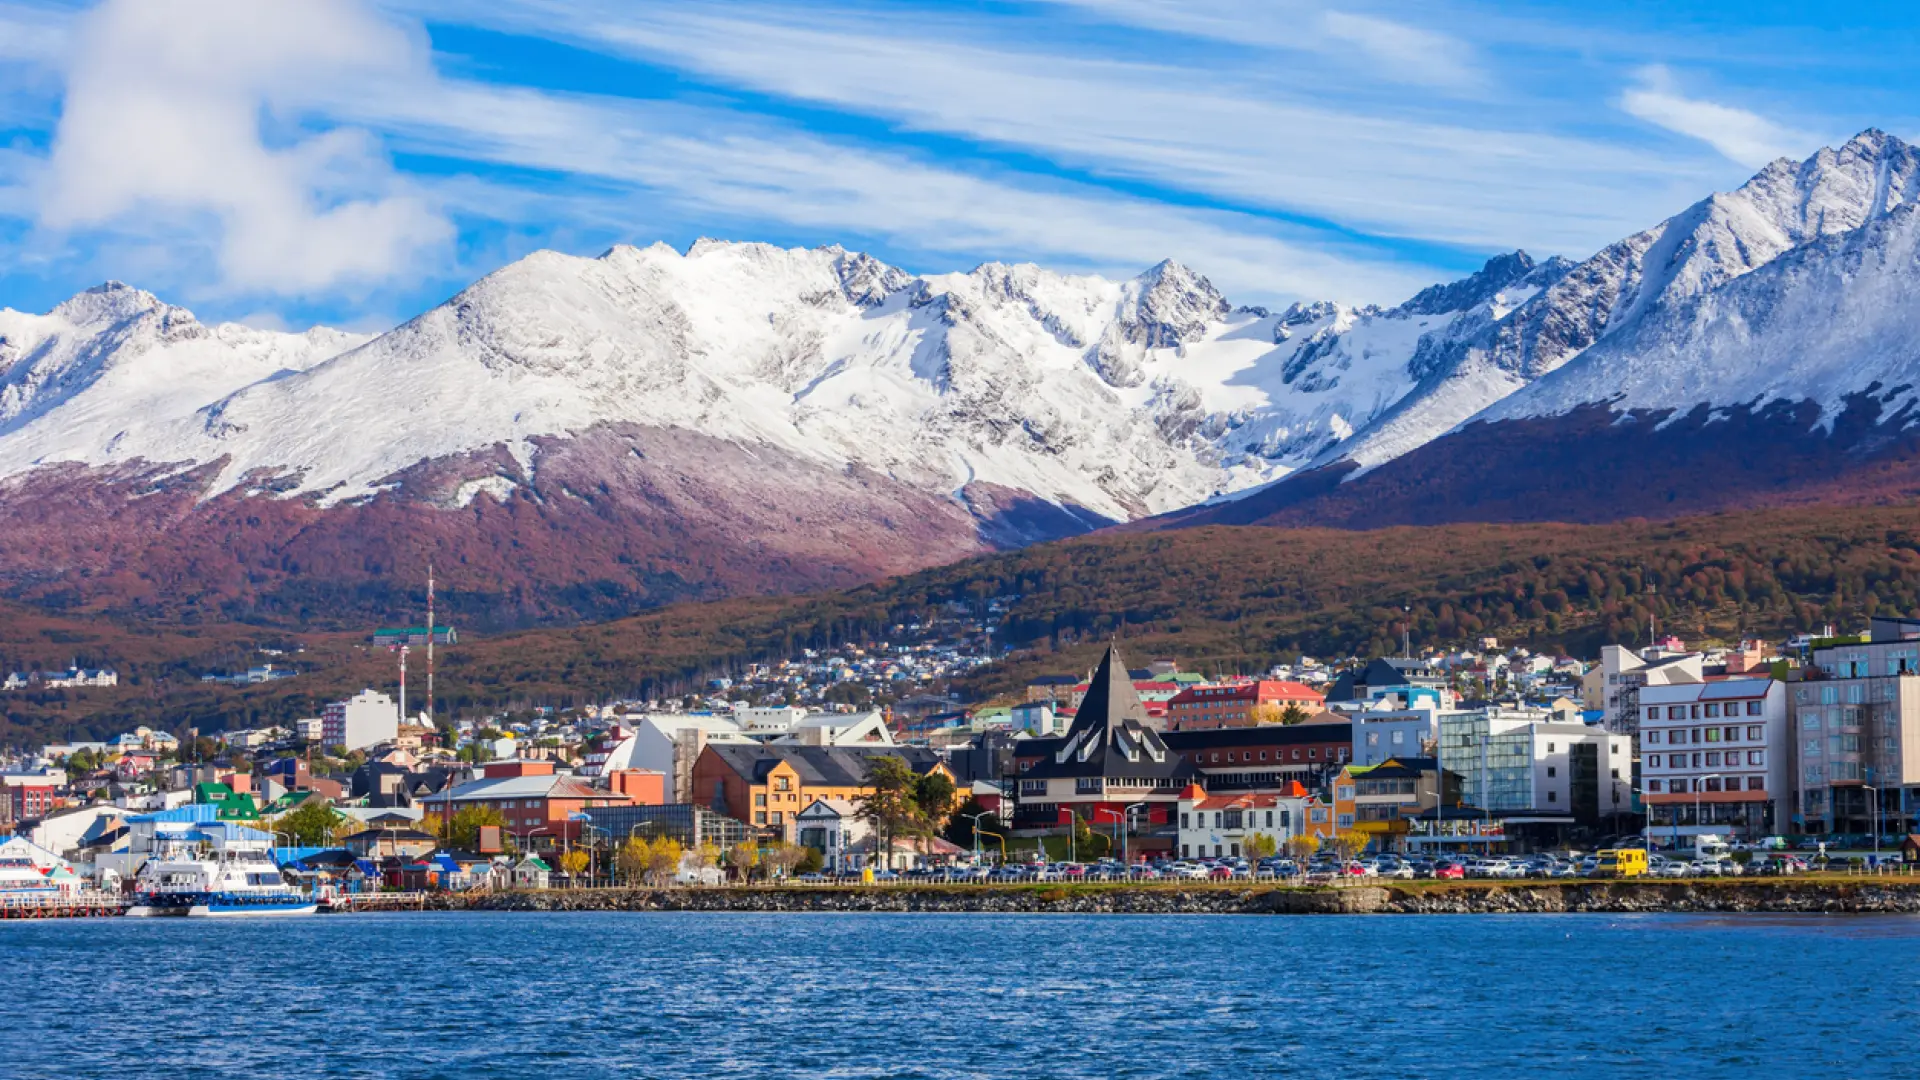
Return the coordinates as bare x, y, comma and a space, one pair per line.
1479, 762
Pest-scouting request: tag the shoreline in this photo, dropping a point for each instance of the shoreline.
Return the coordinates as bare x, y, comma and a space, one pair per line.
1773, 896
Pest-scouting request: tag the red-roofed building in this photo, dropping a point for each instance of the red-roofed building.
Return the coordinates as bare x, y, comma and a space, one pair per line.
1226, 826
1238, 704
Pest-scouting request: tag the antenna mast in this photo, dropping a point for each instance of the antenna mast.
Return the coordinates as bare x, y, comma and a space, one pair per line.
429, 644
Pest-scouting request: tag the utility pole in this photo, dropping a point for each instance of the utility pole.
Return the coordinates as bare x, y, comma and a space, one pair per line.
403, 684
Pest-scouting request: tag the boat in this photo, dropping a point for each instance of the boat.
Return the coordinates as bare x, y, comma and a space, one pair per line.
216, 869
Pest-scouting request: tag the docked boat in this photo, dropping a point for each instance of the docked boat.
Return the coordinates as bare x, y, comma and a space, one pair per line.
215, 869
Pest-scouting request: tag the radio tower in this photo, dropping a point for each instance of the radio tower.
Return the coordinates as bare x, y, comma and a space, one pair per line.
429, 644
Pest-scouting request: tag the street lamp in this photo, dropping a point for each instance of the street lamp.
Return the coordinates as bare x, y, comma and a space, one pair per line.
1875, 822
976, 831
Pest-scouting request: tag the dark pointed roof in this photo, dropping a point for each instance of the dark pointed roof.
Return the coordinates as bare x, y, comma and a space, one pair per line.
1111, 735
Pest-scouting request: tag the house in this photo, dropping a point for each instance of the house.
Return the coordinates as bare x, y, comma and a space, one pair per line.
391, 842
539, 807
1232, 826
83, 677
1238, 704
531, 872
1264, 757
768, 786
15, 681
1111, 759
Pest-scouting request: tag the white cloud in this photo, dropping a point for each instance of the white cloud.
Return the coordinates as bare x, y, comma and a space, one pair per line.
1405, 53
1737, 134
198, 111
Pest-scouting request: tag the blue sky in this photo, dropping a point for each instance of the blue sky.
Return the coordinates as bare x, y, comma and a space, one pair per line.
355, 162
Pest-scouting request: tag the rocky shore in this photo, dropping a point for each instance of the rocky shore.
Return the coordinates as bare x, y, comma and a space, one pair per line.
1834, 897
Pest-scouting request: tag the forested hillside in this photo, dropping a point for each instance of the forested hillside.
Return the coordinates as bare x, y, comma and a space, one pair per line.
1222, 599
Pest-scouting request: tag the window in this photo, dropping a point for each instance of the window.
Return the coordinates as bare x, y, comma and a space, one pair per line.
1696, 759
759, 798
1713, 761
1183, 821
1756, 783
759, 817
1653, 786
1713, 734
1653, 761
1753, 732
1616, 776
1653, 736
1753, 708
1550, 748
1693, 712
1756, 757
1269, 819
1713, 708
1263, 755
782, 783
1183, 851
1550, 771
1313, 753
1553, 796
1216, 755
779, 817
1653, 713
1676, 712
1296, 753
1810, 720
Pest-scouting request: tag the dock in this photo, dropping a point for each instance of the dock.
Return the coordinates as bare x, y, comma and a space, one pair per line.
86, 905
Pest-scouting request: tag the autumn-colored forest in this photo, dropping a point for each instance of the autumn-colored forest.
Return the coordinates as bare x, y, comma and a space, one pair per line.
1221, 598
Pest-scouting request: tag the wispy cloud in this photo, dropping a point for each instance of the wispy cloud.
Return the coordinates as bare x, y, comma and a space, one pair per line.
1243, 137
1738, 134
1406, 53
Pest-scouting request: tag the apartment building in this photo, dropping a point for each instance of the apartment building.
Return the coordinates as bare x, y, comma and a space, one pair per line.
1613, 686
1524, 762
1714, 758
1856, 723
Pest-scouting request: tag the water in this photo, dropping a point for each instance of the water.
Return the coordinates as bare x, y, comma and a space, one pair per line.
475, 996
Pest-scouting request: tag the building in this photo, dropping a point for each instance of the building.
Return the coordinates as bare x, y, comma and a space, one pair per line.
1388, 674
28, 796
363, 720
1266, 757
83, 677
539, 806
1228, 826
1714, 758
1856, 732
1110, 759
1390, 796
1613, 686
1524, 766
767, 786
686, 823
668, 743
1380, 734
1238, 704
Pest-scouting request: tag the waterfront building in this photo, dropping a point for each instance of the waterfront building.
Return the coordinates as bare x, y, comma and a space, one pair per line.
1714, 758
1111, 758
1268, 756
538, 805
1613, 686
687, 823
768, 785
1856, 721
1528, 768
1226, 826
367, 718
1390, 796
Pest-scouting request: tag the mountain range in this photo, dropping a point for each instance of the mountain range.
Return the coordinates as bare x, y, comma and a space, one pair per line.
582, 437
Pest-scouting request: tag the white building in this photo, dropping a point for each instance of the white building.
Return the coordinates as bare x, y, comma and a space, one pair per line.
310, 728
837, 729
1223, 826
1524, 761
1037, 718
1613, 686
76, 677
1714, 758
367, 718
668, 742
1382, 733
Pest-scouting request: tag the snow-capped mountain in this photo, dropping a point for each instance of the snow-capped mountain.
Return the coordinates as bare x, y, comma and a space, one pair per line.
1786, 300
654, 424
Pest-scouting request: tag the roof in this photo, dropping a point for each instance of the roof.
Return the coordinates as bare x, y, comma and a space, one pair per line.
537, 786
1717, 690
819, 766
1110, 735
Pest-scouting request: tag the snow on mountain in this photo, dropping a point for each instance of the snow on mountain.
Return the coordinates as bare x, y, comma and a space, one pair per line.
1827, 322
1119, 399
114, 357
1715, 241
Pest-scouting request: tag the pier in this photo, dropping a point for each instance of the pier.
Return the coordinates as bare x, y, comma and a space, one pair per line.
86, 905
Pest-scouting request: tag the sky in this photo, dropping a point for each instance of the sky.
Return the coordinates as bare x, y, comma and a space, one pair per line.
354, 162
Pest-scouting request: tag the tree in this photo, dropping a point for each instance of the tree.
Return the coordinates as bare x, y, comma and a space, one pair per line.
934, 792
813, 863
311, 824
1347, 843
1302, 846
574, 863
663, 860
889, 808
1262, 846
462, 831
631, 858
708, 855
743, 857
781, 857
1293, 714
960, 824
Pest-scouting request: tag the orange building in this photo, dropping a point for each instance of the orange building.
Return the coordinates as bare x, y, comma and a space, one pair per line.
768, 786
537, 805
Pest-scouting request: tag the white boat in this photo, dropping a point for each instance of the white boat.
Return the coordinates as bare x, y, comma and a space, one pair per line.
215, 869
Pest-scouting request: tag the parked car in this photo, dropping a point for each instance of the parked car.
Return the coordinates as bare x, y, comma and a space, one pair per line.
1449, 871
